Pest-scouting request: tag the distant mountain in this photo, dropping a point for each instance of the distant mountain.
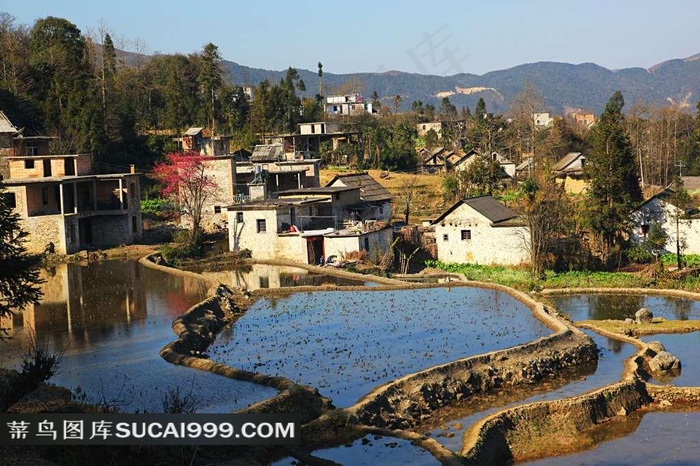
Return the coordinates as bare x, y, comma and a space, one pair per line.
587, 85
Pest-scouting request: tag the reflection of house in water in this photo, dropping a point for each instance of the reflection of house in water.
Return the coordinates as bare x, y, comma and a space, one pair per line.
75, 298
259, 276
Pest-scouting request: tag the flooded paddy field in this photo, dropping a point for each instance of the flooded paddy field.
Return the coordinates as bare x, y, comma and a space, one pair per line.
448, 426
685, 347
111, 319
620, 307
641, 439
263, 276
347, 343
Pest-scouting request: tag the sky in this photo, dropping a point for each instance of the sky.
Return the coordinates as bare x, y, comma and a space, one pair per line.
441, 37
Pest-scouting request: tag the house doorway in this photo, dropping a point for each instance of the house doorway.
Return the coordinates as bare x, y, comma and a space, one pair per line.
47, 167
314, 249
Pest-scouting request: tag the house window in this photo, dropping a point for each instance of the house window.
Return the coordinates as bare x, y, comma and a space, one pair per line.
45, 196
264, 282
445, 237
217, 209
366, 243
261, 225
32, 150
381, 211
10, 200
28, 164
466, 235
239, 217
134, 225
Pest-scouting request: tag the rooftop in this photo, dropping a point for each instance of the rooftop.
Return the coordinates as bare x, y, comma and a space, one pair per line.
370, 190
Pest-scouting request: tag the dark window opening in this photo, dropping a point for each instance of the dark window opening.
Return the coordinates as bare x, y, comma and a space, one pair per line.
264, 282
10, 200
466, 235
239, 217
445, 237
28, 164
261, 225
217, 209
47, 167
366, 244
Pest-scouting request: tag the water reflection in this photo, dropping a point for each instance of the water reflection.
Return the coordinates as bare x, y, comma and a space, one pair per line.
620, 307
111, 319
639, 438
257, 276
682, 345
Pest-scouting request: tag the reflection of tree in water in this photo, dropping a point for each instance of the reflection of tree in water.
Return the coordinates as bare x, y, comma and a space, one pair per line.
619, 307
681, 308
615, 345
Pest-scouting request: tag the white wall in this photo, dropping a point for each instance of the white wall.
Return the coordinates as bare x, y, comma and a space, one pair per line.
660, 211
488, 245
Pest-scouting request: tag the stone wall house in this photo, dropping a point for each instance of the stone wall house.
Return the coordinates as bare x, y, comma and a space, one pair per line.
659, 209
481, 230
307, 226
62, 203
262, 176
570, 171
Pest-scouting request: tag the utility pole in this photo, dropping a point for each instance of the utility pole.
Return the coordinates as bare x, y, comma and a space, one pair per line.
679, 262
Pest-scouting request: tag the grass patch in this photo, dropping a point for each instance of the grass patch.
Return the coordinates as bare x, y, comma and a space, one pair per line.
689, 260
521, 278
666, 326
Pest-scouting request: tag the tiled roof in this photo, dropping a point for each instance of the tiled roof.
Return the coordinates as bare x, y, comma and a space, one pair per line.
370, 190
6, 125
267, 153
486, 206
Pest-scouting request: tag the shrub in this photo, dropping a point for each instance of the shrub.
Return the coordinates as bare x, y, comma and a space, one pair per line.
186, 246
175, 402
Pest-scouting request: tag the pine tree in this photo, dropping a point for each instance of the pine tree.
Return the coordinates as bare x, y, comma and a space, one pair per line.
614, 177
19, 271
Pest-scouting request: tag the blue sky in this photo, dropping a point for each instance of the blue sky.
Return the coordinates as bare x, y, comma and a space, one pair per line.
440, 37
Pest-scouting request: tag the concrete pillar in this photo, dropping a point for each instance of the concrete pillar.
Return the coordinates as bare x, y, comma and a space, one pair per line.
60, 197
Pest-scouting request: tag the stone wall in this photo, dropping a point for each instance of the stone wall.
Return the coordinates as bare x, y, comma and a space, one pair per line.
407, 401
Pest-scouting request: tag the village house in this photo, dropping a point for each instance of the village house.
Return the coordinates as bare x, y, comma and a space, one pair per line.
677, 225
582, 119
348, 104
307, 144
265, 173
570, 171
376, 199
424, 128
200, 140
61, 203
542, 119
309, 226
481, 230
